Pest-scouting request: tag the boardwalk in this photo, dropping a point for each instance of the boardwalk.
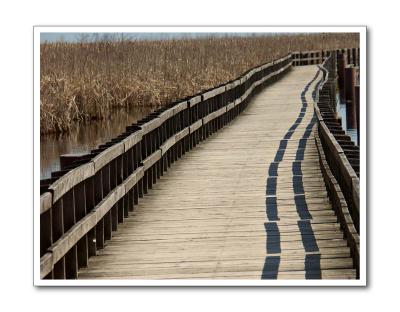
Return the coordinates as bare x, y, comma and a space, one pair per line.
248, 203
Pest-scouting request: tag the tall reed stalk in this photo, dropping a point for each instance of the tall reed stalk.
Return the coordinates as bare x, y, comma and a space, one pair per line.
87, 80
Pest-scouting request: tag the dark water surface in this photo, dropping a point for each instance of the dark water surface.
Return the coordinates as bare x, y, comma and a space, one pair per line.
341, 109
84, 137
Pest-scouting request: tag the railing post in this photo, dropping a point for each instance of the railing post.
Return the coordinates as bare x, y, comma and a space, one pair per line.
127, 170
80, 205
58, 231
135, 155
46, 233
59, 269
89, 196
144, 155
334, 78
159, 162
357, 101
98, 195
348, 51
71, 260
106, 190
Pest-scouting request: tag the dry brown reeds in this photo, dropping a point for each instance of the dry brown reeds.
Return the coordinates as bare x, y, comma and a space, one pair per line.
86, 80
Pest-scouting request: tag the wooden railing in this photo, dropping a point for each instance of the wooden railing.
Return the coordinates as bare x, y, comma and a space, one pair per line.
83, 204
301, 58
338, 148
340, 178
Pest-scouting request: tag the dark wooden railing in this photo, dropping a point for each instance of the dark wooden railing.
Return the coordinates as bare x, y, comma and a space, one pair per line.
341, 180
301, 58
342, 154
82, 204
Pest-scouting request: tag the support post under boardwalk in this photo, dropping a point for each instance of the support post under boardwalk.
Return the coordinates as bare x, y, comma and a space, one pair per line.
341, 65
357, 100
351, 114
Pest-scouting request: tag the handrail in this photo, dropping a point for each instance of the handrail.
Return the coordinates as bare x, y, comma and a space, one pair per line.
340, 166
332, 160
340, 206
82, 207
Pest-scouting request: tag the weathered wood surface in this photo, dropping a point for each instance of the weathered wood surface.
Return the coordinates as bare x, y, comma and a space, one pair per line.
208, 217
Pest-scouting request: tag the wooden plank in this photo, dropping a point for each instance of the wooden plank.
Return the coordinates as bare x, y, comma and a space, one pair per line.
131, 181
196, 125
274, 74
167, 145
108, 202
282, 59
70, 179
214, 115
151, 160
334, 146
229, 86
46, 202
292, 275
151, 125
165, 115
46, 264
238, 101
194, 101
181, 134
230, 106
180, 107
236, 83
141, 271
356, 192
212, 93
107, 156
132, 140
265, 66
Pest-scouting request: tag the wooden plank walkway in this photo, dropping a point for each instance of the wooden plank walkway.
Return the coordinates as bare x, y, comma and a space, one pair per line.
247, 203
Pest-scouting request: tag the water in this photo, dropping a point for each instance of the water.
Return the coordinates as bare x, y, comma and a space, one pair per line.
84, 137
341, 109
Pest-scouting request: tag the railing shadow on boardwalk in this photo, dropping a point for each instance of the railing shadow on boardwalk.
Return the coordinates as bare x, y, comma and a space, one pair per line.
337, 173
271, 265
81, 205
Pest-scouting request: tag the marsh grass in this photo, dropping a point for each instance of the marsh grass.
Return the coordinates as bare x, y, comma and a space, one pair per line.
87, 80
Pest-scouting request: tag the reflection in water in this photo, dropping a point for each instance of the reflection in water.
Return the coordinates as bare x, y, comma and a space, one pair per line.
341, 109
84, 137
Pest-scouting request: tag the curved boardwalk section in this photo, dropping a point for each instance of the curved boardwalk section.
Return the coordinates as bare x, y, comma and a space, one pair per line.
248, 203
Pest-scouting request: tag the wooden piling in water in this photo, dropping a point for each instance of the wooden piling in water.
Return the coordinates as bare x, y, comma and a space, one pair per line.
357, 102
351, 114
341, 65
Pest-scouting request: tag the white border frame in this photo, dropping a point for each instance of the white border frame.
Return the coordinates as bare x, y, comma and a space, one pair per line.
201, 29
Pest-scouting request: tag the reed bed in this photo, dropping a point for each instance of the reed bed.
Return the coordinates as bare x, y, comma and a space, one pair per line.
87, 80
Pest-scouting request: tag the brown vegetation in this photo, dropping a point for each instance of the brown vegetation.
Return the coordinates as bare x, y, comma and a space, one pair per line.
86, 80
